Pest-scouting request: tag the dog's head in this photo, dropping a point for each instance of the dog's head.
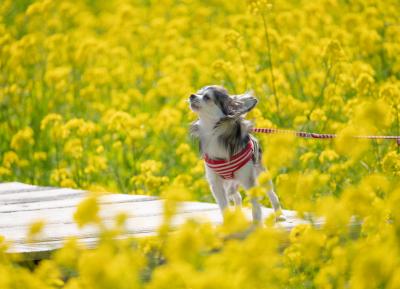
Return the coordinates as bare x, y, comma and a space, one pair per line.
214, 102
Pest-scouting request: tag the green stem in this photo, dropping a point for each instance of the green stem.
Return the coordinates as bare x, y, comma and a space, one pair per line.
298, 80
244, 68
271, 67
229, 79
398, 126
321, 94
377, 153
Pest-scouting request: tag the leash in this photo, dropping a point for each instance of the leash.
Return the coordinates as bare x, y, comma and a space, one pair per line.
323, 135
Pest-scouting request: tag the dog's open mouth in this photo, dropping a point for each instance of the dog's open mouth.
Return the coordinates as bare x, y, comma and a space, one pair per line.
194, 105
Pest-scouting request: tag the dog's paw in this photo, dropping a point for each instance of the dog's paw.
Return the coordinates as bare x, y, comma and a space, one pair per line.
280, 218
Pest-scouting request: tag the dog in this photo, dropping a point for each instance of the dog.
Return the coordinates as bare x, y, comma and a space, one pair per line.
232, 155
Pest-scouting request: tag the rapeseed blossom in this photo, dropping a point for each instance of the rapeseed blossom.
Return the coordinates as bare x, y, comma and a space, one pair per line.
22, 138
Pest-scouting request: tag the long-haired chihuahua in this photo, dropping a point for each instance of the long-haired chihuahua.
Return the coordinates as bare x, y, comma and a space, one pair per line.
232, 155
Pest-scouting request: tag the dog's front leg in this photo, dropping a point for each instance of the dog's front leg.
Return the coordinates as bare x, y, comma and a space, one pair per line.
233, 194
247, 177
273, 198
219, 194
217, 189
256, 210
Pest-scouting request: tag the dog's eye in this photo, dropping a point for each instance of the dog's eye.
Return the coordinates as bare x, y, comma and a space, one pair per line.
206, 97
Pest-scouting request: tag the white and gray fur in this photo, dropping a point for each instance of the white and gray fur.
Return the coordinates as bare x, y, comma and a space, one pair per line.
222, 132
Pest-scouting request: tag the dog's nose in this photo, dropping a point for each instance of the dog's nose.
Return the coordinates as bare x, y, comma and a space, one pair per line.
192, 96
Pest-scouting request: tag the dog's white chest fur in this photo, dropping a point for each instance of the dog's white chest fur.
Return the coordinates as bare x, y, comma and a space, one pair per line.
209, 141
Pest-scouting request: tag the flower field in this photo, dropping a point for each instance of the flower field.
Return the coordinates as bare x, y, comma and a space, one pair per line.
93, 96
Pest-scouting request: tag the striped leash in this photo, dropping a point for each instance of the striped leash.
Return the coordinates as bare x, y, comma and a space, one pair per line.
323, 135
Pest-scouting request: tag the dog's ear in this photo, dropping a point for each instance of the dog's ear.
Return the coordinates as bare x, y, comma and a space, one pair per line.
244, 102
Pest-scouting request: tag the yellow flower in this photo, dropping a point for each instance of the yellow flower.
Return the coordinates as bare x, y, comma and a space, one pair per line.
281, 151
232, 39
333, 52
297, 232
120, 219
58, 175
318, 115
117, 145
256, 192
369, 41
68, 183
336, 215
394, 281
87, 212
364, 84
234, 222
306, 157
54, 122
73, 148
348, 145
23, 163
22, 138
374, 115
220, 67
35, 229
370, 269
289, 46
100, 149
328, 155
264, 178
97, 75
5, 171
183, 180
119, 121
182, 149
391, 163
10, 158
82, 127
185, 154
259, 6
172, 195
38, 7
150, 167
50, 273
58, 75
390, 94
300, 120
39, 156
68, 255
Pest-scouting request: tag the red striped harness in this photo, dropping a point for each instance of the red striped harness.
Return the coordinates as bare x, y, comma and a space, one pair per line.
226, 168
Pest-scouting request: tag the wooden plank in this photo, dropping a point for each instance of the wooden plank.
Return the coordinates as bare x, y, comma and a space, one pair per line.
14, 186
40, 196
138, 225
64, 203
33, 189
49, 245
43, 249
47, 192
135, 225
22, 204
107, 211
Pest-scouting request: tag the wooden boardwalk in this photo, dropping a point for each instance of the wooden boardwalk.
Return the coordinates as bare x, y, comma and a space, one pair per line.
22, 204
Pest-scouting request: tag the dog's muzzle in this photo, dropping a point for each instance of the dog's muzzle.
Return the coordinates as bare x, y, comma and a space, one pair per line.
194, 102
